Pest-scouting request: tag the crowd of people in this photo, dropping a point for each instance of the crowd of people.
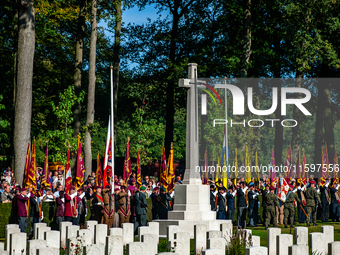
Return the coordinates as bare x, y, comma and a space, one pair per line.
307, 195
127, 201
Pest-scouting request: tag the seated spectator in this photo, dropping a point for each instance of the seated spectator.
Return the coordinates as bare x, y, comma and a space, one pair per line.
6, 196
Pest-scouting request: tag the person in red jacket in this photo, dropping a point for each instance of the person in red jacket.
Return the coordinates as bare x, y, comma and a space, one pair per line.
70, 206
22, 205
60, 208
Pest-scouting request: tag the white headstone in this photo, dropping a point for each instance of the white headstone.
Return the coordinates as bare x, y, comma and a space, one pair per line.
90, 225
36, 226
171, 230
2, 246
86, 234
4, 253
8, 233
53, 238
283, 241
41, 232
301, 235
226, 231
95, 249
212, 252
271, 240
35, 244
298, 249
152, 243
8, 226
114, 245
256, 240
116, 232
62, 228
217, 243
48, 251
18, 243
136, 248
167, 253
317, 243
200, 237
333, 248
154, 226
71, 231
258, 250
128, 233
181, 244
328, 231
142, 231
214, 234
100, 233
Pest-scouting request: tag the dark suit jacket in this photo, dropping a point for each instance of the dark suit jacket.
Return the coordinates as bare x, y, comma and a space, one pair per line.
140, 202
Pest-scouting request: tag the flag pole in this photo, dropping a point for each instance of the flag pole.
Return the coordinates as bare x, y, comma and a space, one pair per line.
226, 129
112, 134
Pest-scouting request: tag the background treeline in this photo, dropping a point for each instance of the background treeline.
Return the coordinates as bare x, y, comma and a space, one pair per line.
279, 38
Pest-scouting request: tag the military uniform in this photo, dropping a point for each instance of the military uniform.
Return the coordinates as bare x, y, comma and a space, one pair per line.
124, 207
253, 207
271, 204
242, 207
301, 214
163, 206
289, 209
311, 198
263, 192
335, 205
141, 207
97, 205
324, 203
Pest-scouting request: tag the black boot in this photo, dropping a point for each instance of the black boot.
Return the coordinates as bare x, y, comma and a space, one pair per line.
315, 224
286, 226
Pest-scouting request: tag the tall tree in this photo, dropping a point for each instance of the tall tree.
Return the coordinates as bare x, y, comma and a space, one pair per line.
246, 4
91, 90
23, 95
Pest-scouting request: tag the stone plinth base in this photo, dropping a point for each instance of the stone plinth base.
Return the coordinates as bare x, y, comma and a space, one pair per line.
188, 225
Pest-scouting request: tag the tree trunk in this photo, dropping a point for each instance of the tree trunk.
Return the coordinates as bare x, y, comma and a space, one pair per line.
78, 74
318, 126
116, 59
23, 95
91, 89
79, 64
328, 122
246, 4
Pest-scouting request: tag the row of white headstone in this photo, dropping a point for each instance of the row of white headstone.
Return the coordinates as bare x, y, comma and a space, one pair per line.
97, 240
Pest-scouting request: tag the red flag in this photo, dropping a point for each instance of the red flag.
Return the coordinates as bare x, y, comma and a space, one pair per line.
26, 180
68, 176
45, 173
99, 176
33, 169
164, 174
272, 175
299, 166
325, 163
127, 163
303, 166
288, 169
139, 178
284, 189
80, 167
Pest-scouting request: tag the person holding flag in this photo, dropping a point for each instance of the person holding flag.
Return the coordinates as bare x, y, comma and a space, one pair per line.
289, 209
70, 214
97, 205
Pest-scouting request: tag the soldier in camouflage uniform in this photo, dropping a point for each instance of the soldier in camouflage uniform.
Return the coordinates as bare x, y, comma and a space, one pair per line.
271, 204
312, 198
289, 209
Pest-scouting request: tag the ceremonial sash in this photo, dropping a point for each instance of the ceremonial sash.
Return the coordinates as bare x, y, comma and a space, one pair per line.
121, 210
100, 198
162, 202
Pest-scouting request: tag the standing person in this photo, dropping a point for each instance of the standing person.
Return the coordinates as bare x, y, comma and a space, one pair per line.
153, 197
141, 208
116, 218
213, 194
289, 209
34, 212
334, 202
231, 203
221, 202
242, 205
70, 206
22, 204
271, 204
264, 192
300, 192
312, 200
325, 201
163, 205
124, 206
80, 206
97, 205
6, 196
253, 205
60, 208
132, 187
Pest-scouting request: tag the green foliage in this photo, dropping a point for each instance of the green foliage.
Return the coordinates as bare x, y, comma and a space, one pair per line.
61, 137
4, 127
238, 243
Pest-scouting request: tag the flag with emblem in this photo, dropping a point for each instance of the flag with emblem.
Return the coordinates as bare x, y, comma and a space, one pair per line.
26, 181
171, 171
127, 163
68, 175
99, 172
44, 177
33, 169
336, 166
139, 177
80, 170
107, 165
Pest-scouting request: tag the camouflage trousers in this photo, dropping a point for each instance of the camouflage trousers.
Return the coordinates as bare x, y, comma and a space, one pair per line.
271, 215
289, 212
311, 210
